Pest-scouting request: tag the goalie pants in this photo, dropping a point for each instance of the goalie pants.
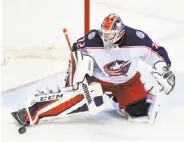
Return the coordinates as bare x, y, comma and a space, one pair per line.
126, 93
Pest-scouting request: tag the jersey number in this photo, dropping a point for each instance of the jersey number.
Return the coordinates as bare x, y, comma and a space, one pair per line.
81, 43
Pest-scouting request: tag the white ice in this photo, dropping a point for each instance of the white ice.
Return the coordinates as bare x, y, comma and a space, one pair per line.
38, 23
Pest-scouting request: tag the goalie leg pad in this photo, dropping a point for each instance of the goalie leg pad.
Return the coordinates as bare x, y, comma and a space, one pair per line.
55, 107
137, 109
68, 102
145, 110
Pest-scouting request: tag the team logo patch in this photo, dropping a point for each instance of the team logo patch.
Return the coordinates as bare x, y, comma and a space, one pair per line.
140, 34
91, 35
117, 68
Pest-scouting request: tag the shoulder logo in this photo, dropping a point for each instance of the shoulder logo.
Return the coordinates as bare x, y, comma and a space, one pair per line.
140, 34
91, 35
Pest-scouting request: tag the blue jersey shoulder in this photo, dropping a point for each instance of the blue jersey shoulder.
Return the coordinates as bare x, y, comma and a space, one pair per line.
92, 39
134, 37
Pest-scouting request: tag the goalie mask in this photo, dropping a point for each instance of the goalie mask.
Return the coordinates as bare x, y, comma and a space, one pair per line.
112, 29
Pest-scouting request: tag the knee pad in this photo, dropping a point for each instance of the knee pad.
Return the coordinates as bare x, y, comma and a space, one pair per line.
137, 109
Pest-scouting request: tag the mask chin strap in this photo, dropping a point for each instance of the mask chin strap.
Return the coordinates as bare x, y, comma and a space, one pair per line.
108, 43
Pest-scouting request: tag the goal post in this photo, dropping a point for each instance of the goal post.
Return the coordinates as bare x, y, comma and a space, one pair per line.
86, 16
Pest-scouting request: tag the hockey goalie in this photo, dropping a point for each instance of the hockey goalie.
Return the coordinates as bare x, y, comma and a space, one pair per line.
104, 63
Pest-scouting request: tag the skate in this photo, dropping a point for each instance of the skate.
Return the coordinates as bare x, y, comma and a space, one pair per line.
20, 117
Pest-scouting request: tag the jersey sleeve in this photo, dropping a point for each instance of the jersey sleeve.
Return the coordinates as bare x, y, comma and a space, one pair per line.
154, 53
80, 44
90, 40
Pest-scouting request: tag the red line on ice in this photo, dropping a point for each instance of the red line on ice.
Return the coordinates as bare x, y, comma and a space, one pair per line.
20, 86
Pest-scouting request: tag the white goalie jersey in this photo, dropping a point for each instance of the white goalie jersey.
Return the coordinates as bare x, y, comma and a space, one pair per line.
118, 64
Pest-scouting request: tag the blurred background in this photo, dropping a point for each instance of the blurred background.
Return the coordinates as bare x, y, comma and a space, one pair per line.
32, 31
